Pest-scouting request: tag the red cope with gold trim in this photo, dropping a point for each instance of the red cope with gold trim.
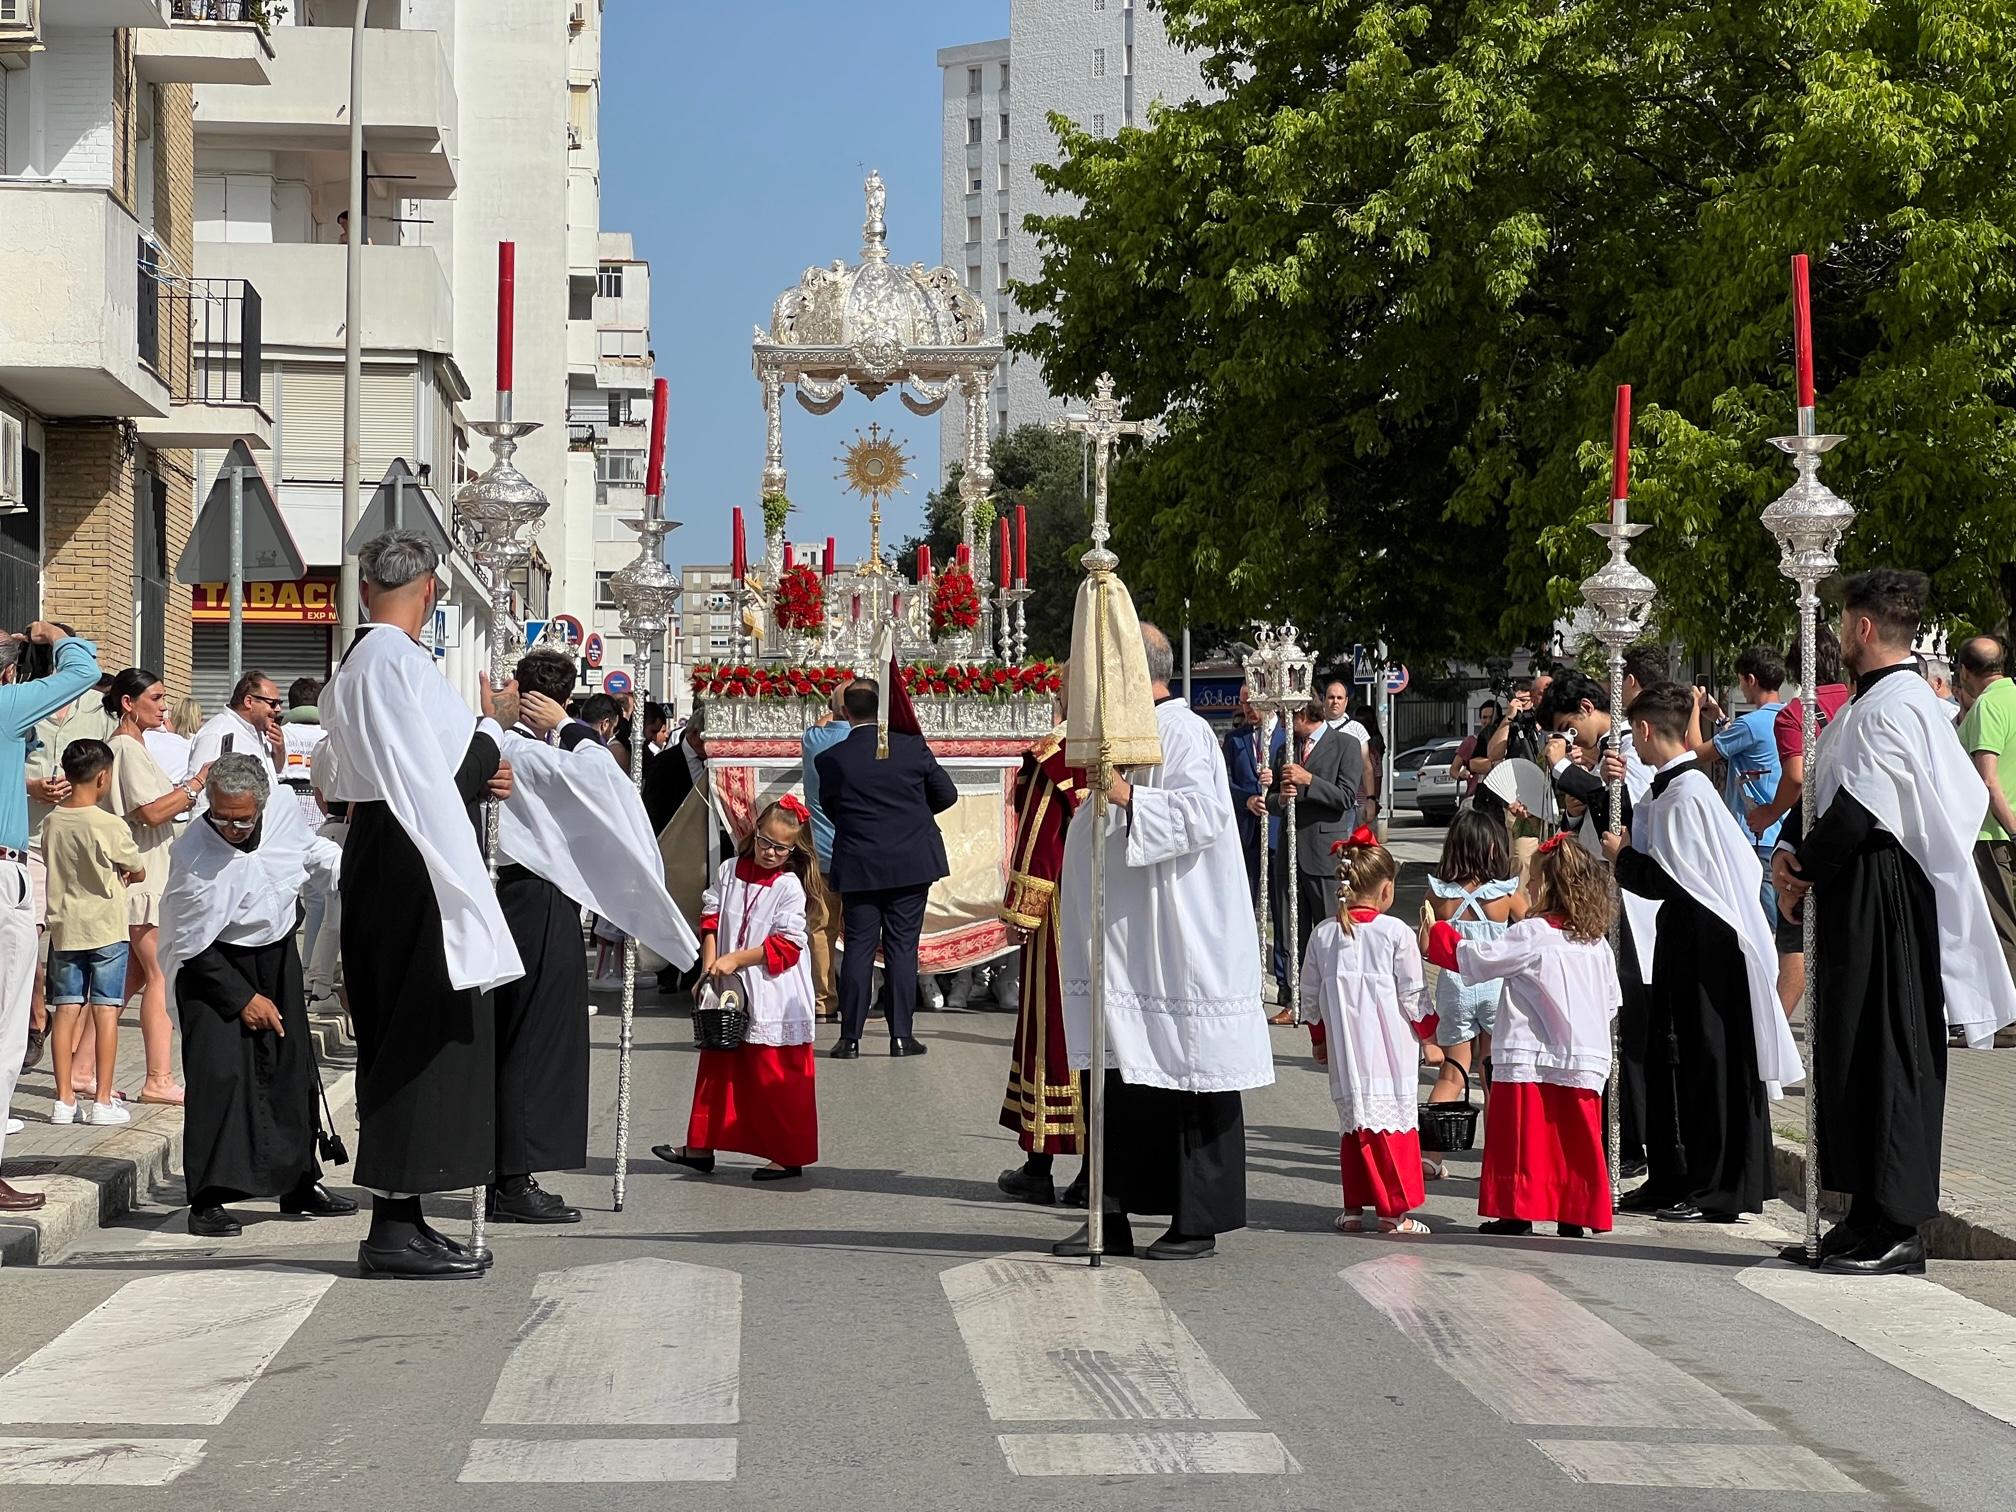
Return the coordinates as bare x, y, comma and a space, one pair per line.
1042, 1102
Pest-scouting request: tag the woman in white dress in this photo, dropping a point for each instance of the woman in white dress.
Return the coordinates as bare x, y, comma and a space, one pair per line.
143, 796
759, 1099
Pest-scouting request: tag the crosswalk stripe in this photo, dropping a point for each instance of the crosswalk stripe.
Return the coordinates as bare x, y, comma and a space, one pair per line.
1701, 1467
585, 1462
96, 1462
643, 1341
1054, 1342
1962, 1347
1045, 1454
179, 1348
1532, 1355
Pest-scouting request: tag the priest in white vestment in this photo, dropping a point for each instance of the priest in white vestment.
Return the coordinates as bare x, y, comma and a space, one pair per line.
1186, 1033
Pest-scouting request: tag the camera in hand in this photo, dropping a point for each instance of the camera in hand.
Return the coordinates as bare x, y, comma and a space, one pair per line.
40, 660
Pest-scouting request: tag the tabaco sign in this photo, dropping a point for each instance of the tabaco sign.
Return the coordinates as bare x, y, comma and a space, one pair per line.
303, 601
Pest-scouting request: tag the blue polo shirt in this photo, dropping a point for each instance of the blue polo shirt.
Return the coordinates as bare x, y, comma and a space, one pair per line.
22, 706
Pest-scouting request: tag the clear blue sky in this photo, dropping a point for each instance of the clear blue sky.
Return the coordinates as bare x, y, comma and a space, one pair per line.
735, 137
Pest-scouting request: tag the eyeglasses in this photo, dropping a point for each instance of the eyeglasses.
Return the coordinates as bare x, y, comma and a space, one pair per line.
271, 703
774, 847
233, 824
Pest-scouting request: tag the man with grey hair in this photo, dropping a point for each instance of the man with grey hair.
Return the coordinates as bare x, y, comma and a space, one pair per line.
424, 939
1185, 1029
235, 879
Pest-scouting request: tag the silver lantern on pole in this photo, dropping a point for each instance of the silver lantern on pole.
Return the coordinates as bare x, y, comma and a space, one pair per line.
1621, 598
647, 595
499, 503
1288, 679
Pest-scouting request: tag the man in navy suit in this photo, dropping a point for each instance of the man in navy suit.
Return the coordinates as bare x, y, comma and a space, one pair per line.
1249, 768
886, 854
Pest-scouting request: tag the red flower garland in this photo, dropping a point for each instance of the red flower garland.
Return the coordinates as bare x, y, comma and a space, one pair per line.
955, 602
801, 599
921, 679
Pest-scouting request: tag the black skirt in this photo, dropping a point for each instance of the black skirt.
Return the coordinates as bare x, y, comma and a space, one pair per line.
542, 1031
1180, 1153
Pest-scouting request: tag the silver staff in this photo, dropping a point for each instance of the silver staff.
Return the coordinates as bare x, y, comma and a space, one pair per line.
1808, 521
647, 593
1103, 426
498, 502
1621, 598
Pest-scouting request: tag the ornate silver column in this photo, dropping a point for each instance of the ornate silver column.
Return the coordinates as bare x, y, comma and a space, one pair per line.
1808, 521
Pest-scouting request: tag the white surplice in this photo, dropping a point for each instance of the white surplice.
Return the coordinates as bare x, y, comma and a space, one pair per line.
1366, 988
218, 892
1691, 836
748, 912
575, 818
397, 735
1560, 995
1895, 748
1182, 949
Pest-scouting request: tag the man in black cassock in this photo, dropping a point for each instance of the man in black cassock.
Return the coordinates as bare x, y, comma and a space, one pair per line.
227, 928
1906, 946
424, 941
1719, 1047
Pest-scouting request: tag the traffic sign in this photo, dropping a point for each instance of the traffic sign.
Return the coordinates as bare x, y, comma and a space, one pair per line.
616, 683
267, 550
592, 650
1396, 679
533, 630
567, 628
398, 503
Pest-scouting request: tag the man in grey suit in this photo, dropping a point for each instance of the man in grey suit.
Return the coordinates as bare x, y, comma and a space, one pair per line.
1323, 777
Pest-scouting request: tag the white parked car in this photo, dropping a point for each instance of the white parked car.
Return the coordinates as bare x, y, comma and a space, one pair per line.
1436, 793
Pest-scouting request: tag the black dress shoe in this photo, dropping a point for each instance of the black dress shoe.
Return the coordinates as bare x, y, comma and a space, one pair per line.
1571, 1231
1647, 1199
1836, 1241
1024, 1185
846, 1049
1680, 1212
456, 1247
415, 1260
214, 1222
317, 1201
1175, 1246
1631, 1170
532, 1205
704, 1164
1506, 1227
908, 1047
1881, 1254
782, 1173
1116, 1238
1075, 1194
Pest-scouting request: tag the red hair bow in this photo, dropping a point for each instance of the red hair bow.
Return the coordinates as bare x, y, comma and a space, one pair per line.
1358, 837
1551, 842
793, 805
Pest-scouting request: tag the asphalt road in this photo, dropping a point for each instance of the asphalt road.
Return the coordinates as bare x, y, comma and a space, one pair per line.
890, 1334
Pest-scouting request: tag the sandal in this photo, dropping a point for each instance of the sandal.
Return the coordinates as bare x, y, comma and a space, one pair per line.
1432, 1170
1348, 1223
1285, 1019
1404, 1226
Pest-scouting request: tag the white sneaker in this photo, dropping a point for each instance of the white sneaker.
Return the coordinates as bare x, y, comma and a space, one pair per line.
593, 1010
62, 1112
15, 1126
107, 1113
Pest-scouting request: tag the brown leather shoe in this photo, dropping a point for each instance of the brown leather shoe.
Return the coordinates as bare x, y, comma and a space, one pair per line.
12, 1201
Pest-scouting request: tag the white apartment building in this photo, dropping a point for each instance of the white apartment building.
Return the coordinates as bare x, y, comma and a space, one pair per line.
1101, 63
706, 618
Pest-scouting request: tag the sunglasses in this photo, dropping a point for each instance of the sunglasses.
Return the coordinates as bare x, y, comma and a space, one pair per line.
271, 703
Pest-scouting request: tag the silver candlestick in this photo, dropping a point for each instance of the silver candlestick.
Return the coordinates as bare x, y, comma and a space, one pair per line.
1808, 521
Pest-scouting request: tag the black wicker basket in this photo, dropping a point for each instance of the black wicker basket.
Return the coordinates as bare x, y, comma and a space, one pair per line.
1450, 1125
721, 1020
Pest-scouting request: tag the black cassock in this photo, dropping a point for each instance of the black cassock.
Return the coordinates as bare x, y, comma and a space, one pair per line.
1707, 1123
249, 1124
1881, 1048
542, 1031
426, 1053
1180, 1153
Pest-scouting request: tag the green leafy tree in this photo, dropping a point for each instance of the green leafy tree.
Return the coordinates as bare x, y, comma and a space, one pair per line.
1382, 284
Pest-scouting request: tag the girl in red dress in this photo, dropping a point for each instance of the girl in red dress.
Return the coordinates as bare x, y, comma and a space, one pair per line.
759, 1100
1544, 1141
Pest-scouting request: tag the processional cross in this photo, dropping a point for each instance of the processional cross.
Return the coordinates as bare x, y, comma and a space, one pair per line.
1104, 426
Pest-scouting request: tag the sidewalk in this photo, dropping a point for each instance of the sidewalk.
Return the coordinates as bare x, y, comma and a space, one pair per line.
94, 1175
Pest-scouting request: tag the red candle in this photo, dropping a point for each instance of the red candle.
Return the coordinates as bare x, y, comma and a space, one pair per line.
829, 556
740, 561
507, 274
1001, 562
1021, 546
788, 555
1620, 451
923, 563
964, 555
1802, 329
654, 468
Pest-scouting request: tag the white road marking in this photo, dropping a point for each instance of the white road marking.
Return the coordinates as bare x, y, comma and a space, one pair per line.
587, 1462
1533, 1356
1963, 1347
633, 1341
1147, 1454
1057, 1342
1701, 1467
180, 1348
96, 1462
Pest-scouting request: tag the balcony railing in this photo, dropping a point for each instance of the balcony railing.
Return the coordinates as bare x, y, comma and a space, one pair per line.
222, 360
218, 10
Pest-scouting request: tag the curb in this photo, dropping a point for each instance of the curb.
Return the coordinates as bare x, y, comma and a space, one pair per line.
1958, 1233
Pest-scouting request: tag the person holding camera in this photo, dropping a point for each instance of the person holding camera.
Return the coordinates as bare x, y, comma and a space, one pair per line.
74, 669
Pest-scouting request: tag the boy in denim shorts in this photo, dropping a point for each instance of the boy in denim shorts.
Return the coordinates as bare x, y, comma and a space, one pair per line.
90, 855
